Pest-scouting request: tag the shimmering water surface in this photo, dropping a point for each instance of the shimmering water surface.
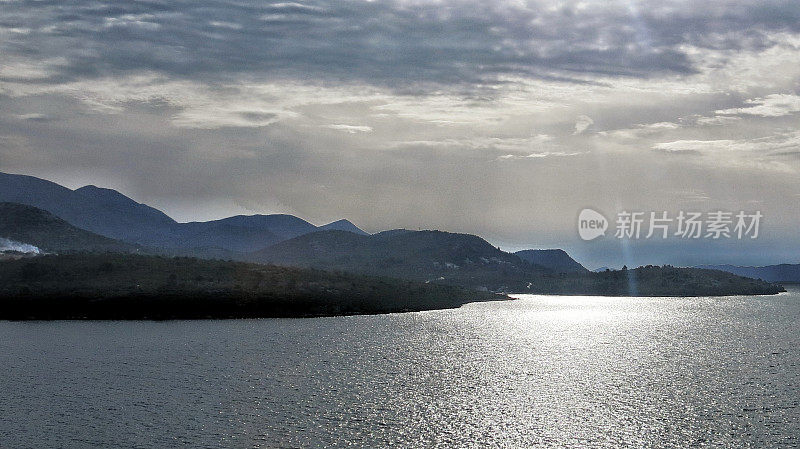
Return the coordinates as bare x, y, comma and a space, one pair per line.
537, 371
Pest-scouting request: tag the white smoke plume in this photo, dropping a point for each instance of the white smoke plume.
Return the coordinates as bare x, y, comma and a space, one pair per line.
11, 245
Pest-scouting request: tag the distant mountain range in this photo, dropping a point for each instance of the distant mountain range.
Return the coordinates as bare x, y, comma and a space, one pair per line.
274, 238
111, 214
429, 256
789, 273
52, 218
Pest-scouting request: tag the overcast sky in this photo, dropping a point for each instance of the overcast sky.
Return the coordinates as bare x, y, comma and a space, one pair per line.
501, 118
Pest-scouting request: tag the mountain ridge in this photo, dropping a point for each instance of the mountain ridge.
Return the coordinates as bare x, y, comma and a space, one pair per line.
112, 214
29, 225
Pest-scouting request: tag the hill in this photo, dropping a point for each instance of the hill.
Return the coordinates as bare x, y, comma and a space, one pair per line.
789, 273
469, 261
431, 256
32, 226
555, 259
120, 286
653, 281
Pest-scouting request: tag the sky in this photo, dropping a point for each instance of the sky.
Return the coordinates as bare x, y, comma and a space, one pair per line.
503, 119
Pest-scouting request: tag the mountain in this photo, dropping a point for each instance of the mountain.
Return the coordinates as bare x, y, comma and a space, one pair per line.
342, 225
432, 256
247, 233
32, 226
281, 225
555, 259
468, 261
789, 273
218, 234
112, 214
102, 211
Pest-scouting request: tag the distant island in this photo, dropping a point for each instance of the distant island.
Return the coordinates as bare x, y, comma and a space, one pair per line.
93, 253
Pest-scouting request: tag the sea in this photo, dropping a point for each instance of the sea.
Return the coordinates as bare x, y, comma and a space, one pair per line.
535, 371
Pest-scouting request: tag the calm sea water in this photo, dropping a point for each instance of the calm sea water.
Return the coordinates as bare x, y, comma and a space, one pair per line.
538, 371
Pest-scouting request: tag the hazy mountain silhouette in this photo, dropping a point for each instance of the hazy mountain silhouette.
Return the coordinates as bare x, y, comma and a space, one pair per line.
555, 259
102, 211
430, 256
112, 214
55, 218
37, 227
433, 256
342, 225
770, 273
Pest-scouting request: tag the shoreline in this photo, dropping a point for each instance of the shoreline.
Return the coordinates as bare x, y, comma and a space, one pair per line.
81, 309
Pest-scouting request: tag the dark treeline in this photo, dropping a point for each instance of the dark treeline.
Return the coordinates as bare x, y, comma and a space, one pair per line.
119, 286
128, 286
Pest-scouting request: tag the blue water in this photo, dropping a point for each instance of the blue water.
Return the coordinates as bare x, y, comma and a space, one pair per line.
537, 371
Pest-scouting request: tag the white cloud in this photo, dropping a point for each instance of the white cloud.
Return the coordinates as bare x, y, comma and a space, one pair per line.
227, 25
352, 129
137, 20
33, 117
295, 5
773, 105
514, 157
768, 153
640, 131
582, 123
659, 126
761, 145
517, 144
717, 120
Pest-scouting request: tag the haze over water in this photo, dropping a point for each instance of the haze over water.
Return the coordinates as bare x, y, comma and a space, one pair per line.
541, 370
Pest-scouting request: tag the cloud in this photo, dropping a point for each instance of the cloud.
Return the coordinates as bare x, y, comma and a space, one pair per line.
514, 157
482, 143
352, 129
399, 44
759, 153
717, 120
640, 131
34, 117
760, 145
773, 105
582, 123
659, 126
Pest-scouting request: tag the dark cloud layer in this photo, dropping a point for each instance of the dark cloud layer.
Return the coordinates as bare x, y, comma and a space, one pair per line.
394, 43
